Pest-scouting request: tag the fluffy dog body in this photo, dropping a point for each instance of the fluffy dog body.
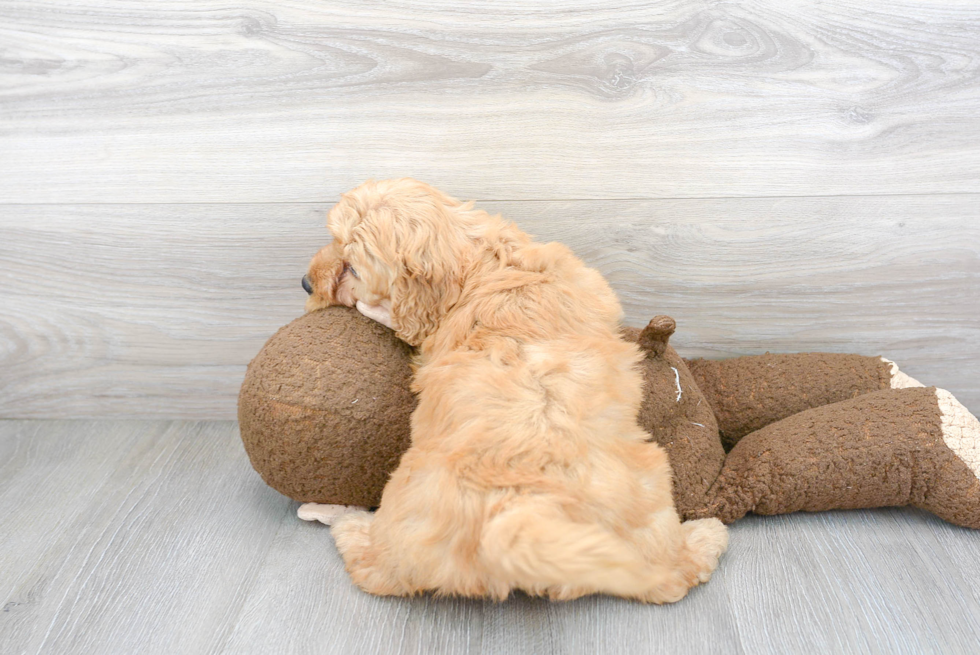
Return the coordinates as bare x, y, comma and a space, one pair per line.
527, 468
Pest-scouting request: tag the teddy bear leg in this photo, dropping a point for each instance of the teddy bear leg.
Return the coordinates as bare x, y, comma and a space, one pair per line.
749, 393
913, 446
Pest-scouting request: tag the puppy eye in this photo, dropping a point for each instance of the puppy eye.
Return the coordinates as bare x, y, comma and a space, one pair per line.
353, 272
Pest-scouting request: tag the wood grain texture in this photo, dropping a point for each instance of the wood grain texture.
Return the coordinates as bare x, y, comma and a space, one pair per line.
261, 101
119, 537
881, 569
157, 537
164, 171
132, 310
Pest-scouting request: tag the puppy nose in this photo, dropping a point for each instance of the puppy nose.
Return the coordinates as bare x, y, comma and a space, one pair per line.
307, 287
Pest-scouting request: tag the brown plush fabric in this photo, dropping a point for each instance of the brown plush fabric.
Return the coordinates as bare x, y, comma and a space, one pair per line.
881, 449
685, 427
749, 393
324, 409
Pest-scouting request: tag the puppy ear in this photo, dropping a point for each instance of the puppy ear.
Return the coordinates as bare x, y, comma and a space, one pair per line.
326, 269
432, 255
415, 240
420, 298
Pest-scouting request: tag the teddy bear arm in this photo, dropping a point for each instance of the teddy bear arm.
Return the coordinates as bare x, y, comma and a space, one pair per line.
894, 447
749, 393
325, 513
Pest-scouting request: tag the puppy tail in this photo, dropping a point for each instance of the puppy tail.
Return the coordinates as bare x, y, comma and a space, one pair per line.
556, 557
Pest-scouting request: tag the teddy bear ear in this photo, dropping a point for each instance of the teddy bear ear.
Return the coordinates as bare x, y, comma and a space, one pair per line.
653, 338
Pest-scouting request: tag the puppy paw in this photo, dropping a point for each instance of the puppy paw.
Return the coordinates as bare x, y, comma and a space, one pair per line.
325, 514
669, 589
350, 533
367, 567
707, 539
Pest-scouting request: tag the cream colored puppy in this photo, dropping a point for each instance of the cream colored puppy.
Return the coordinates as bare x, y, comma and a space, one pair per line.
527, 468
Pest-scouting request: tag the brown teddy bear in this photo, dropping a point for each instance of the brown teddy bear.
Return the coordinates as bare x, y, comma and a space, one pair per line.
324, 414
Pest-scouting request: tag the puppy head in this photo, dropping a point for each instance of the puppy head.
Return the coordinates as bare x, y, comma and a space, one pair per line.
396, 240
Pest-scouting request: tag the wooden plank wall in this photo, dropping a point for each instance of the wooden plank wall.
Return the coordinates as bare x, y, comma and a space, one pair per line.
776, 176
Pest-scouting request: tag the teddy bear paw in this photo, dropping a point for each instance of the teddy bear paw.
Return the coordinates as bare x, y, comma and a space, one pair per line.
325, 514
961, 430
899, 379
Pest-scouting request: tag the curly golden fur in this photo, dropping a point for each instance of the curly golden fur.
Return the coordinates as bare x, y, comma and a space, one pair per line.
527, 468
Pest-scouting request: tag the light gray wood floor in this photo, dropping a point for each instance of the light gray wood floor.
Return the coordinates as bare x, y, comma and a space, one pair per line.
157, 537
